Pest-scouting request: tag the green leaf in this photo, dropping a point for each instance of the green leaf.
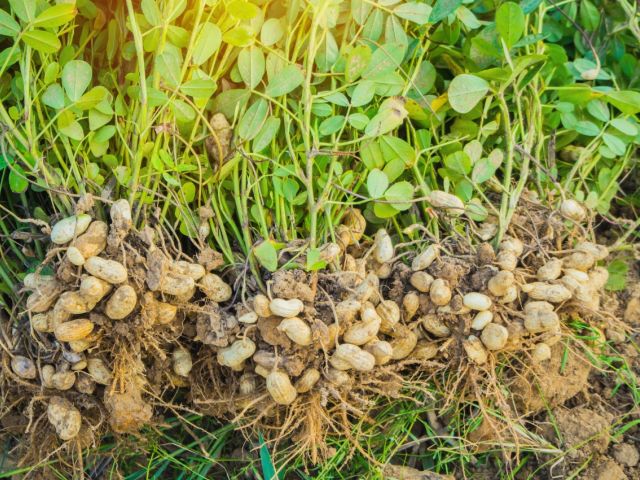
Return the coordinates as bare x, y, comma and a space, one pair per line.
268, 468
271, 32
510, 22
228, 101
331, 125
105, 133
442, 9
599, 110
358, 121
401, 194
314, 260
92, 98
391, 115
529, 6
287, 80
468, 18
199, 88
414, 12
56, 16
485, 168
8, 26
268, 131
17, 181
328, 53
76, 77
69, 126
42, 41
24, 9
266, 255
627, 101
585, 127
337, 98
251, 66
53, 96
616, 145
386, 58
357, 61
178, 36
625, 126
393, 148
426, 77
188, 191
360, 10
373, 26
183, 112
253, 119
239, 36
151, 12
458, 162
465, 91
363, 93
242, 10
618, 270
384, 210
377, 183
476, 211
394, 32
207, 43
168, 65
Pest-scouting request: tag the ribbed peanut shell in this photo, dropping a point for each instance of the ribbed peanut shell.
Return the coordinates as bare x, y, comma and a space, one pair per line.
93, 241
107, 270
74, 330
308, 380
280, 388
122, 302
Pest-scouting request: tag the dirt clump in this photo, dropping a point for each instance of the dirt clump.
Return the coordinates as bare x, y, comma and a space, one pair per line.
553, 382
583, 431
604, 468
626, 454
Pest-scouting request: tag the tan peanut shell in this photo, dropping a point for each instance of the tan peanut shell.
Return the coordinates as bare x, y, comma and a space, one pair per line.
121, 303
107, 270
475, 350
215, 288
193, 270
23, 367
93, 289
63, 380
440, 292
74, 330
182, 361
92, 242
403, 343
494, 336
381, 350
553, 293
286, 308
352, 356
280, 388
66, 229
99, 372
235, 355
297, 330
307, 380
